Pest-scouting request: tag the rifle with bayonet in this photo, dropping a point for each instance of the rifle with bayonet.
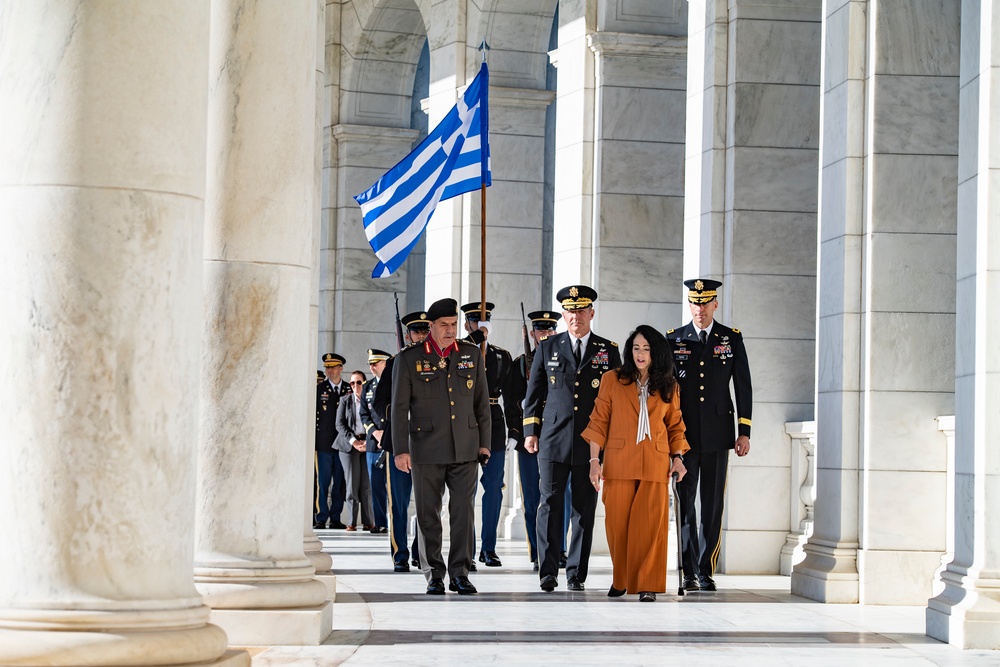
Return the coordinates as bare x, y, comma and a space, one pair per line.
400, 344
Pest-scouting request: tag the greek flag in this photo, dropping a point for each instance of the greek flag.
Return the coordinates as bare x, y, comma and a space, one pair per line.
452, 160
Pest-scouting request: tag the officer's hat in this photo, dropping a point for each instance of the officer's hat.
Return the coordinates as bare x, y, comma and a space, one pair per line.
416, 321
543, 320
702, 290
375, 356
576, 297
320, 376
472, 311
442, 308
331, 360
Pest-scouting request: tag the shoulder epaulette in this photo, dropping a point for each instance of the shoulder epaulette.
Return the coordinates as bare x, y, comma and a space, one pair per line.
614, 343
736, 331
467, 342
671, 331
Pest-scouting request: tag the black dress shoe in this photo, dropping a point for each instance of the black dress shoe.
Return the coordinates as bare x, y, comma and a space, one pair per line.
462, 586
706, 583
691, 584
549, 583
647, 597
562, 560
415, 562
615, 592
490, 558
319, 526
534, 566
574, 584
402, 566
472, 567
435, 586
339, 525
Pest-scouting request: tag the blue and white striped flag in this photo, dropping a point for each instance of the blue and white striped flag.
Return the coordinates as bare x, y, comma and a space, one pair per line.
452, 160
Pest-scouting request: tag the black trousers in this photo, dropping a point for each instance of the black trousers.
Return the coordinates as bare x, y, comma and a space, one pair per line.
552, 480
429, 483
700, 548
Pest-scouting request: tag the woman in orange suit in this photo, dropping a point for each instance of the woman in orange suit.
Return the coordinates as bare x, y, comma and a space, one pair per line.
637, 422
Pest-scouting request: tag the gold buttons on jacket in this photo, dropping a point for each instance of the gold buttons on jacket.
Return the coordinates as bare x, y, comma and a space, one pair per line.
453, 402
702, 363
702, 387
576, 395
701, 398
453, 416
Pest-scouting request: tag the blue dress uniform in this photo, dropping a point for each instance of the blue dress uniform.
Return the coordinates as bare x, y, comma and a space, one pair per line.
400, 483
560, 398
376, 462
327, 467
498, 369
704, 373
527, 462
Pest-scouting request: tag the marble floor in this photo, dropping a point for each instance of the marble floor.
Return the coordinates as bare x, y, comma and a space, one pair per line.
383, 618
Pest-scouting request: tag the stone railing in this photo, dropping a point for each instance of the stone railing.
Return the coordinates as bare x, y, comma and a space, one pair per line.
803, 495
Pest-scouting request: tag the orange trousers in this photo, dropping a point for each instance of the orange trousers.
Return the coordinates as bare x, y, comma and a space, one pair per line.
637, 521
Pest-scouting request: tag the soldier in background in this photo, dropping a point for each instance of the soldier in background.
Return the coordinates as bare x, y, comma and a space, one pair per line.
498, 369
375, 456
416, 328
329, 489
543, 325
708, 356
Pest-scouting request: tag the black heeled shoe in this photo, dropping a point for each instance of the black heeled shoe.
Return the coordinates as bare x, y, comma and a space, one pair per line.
615, 592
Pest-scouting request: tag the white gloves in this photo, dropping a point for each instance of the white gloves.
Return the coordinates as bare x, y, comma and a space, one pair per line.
511, 444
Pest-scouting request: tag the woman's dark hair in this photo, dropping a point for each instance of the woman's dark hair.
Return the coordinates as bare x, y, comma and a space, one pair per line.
661, 367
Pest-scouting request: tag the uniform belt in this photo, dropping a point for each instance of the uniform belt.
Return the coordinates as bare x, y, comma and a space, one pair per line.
494, 401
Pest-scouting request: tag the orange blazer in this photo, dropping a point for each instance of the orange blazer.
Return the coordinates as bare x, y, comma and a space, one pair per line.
615, 422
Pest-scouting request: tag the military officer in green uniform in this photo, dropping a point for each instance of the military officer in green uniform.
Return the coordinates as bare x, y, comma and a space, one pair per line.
440, 427
708, 356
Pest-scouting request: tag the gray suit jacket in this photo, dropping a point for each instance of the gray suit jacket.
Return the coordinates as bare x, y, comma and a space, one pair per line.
440, 415
347, 424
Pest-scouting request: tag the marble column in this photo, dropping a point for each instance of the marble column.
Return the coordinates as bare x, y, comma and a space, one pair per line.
249, 563
513, 213
638, 178
99, 354
313, 547
967, 612
887, 246
750, 221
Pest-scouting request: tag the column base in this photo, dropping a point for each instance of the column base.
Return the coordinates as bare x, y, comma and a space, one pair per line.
302, 626
827, 574
330, 581
791, 553
897, 577
965, 614
65, 648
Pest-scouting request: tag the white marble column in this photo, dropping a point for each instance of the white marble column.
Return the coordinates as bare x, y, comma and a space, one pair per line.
887, 258
101, 264
638, 178
750, 221
967, 612
321, 562
249, 562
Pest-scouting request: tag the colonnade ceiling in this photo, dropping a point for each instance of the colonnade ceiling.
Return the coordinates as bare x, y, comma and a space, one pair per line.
518, 34
381, 41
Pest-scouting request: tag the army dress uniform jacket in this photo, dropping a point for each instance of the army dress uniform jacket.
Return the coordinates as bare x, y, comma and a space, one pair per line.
327, 398
370, 419
561, 396
704, 373
517, 388
499, 369
440, 407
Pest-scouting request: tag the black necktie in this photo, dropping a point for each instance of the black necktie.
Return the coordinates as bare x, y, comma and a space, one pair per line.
576, 351
703, 336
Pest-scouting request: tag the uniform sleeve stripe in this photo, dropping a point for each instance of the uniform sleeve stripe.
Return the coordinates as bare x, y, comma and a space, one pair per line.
745, 422
531, 420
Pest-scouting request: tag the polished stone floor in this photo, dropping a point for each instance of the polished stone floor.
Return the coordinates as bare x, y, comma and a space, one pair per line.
383, 618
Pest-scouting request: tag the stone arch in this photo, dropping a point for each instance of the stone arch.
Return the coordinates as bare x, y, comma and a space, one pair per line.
518, 34
382, 41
